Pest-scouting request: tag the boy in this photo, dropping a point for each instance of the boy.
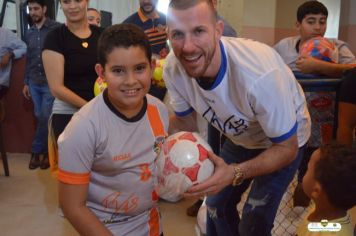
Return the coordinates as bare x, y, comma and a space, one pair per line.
107, 151
312, 22
330, 182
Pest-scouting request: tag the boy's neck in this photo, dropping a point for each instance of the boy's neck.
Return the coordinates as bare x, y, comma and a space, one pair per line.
325, 212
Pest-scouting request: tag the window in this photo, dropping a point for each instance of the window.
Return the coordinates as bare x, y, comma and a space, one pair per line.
9, 17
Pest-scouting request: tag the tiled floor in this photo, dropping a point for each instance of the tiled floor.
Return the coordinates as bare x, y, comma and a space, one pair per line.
28, 205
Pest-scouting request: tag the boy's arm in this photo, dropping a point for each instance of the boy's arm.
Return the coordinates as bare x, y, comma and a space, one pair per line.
310, 65
72, 200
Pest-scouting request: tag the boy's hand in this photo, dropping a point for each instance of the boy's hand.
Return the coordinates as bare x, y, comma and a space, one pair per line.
307, 64
222, 177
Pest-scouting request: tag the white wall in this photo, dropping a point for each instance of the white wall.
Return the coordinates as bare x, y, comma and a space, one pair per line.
120, 9
333, 6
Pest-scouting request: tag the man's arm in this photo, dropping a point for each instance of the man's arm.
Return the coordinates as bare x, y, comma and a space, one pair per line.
310, 65
274, 158
17, 46
72, 200
183, 123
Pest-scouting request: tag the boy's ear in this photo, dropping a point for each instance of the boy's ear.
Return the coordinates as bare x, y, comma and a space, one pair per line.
298, 25
100, 71
153, 65
317, 191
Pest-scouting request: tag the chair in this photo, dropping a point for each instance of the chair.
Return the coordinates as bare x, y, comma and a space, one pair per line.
2, 147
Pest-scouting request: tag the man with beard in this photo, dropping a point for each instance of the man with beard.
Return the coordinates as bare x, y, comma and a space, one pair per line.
244, 89
153, 23
36, 87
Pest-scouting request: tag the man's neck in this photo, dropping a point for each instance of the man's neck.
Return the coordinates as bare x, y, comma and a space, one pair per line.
40, 24
152, 15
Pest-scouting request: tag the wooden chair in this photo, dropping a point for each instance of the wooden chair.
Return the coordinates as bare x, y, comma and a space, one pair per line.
2, 147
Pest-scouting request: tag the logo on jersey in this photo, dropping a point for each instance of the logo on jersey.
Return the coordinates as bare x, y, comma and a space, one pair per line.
157, 146
232, 125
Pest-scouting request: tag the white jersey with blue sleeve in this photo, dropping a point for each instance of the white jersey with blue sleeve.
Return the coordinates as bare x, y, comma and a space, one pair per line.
255, 99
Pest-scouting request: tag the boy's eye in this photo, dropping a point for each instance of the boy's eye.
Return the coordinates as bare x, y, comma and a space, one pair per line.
140, 68
118, 70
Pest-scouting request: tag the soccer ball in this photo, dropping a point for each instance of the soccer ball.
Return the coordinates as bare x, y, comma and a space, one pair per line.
320, 48
99, 86
182, 162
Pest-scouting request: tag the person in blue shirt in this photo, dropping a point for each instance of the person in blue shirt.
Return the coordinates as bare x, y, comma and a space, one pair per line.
11, 47
153, 23
36, 87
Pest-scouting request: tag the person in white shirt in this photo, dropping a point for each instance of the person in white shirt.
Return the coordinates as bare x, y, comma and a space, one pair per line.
244, 89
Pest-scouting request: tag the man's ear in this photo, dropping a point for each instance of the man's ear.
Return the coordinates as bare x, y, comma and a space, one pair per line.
45, 9
100, 71
219, 28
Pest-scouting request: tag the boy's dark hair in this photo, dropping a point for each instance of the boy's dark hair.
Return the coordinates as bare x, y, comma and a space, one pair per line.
185, 4
122, 36
336, 172
40, 2
311, 7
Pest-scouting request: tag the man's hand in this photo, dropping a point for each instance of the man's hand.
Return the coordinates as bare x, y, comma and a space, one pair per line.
6, 59
222, 177
26, 92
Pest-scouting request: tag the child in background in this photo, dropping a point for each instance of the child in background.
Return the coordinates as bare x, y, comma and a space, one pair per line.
311, 21
107, 151
330, 183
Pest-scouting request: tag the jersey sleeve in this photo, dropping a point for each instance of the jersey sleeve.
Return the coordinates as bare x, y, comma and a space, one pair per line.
171, 73
76, 149
271, 99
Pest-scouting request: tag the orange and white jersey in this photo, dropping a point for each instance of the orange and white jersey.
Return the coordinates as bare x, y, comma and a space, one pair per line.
115, 156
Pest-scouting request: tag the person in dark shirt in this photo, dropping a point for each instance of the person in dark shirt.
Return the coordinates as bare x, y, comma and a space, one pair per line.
36, 87
347, 109
153, 23
69, 58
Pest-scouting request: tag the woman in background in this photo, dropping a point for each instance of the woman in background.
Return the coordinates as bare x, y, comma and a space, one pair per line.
69, 57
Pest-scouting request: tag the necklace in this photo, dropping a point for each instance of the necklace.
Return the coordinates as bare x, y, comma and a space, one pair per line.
85, 44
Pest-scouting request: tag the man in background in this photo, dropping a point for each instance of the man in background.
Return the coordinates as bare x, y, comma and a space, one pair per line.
36, 87
153, 23
214, 136
11, 47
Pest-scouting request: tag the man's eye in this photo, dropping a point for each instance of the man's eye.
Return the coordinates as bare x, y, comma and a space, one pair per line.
177, 35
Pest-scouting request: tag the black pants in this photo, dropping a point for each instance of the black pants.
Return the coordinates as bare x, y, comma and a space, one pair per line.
59, 122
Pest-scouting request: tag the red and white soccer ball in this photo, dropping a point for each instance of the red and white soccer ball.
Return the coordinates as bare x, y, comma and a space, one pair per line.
183, 162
